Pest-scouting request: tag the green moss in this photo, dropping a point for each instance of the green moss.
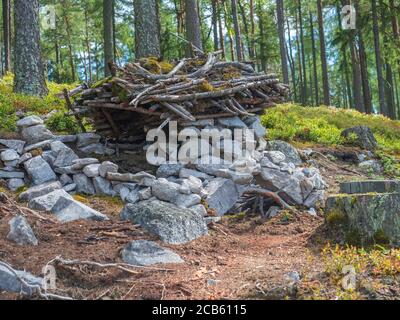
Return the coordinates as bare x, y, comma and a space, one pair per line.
324, 125
335, 217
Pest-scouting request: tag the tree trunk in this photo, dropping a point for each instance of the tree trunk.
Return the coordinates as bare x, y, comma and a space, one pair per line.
282, 39
147, 36
193, 32
214, 5
66, 8
7, 34
303, 55
314, 57
28, 68
381, 81
246, 29
324, 64
108, 35
292, 62
238, 34
221, 33
365, 75
87, 43
252, 46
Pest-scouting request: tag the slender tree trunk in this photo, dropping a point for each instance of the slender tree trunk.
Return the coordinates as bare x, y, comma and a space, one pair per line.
262, 36
227, 26
70, 48
314, 58
324, 64
7, 34
253, 31
147, 34
381, 81
365, 75
214, 5
303, 55
221, 33
108, 35
29, 75
87, 43
292, 62
282, 40
193, 31
246, 30
238, 34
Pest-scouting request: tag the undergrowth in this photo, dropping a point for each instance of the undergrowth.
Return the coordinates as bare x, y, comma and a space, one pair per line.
324, 125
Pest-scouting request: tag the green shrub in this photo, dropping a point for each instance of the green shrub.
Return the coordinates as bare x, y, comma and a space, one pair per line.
59, 122
323, 125
11, 102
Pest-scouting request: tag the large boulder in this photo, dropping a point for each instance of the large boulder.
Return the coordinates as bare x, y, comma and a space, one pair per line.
38, 191
366, 218
21, 232
36, 134
10, 281
39, 171
84, 184
47, 202
172, 224
147, 253
29, 121
291, 154
362, 137
67, 210
222, 195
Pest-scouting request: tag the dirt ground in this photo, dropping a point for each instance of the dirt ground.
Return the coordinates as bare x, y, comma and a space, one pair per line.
241, 258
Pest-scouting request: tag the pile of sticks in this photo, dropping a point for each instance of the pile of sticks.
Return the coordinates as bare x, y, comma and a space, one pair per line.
138, 98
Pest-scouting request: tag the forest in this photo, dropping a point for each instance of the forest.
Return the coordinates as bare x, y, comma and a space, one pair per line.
200, 150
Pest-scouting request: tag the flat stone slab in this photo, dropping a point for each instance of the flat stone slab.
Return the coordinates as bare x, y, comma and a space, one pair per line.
172, 224
40, 190
222, 195
366, 218
39, 171
373, 186
47, 202
147, 253
9, 281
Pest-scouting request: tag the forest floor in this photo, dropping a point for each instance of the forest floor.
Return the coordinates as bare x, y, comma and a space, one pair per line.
243, 257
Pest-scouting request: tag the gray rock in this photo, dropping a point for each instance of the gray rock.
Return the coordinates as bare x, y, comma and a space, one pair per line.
187, 201
133, 197
25, 157
241, 178
86, 139
15, 184
11, 174
11, 164
200, 209
47, 202
65, 180
92, 170
199, 123
172, 224
234, 122
371, 167
103, 187
366, 218
68, 210
67, 170
84, 184
222, 195
276, 157
145, 194
9, 281
370, 186
107, 167
36, 134
166, 191
9, 155
65, 158
169, 170
38, 191
49, 158
273, 212
21, 232
16, 145
79, 164
57, 146
29, 122
194, 185
67, 138
259, 130
97, 149
147, 253
70, 187
292, 155
39, 171
186, 173
315, 199
138, 178
44, 145
364, 137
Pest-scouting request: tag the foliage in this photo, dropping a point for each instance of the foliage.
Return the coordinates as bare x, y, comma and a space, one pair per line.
324, 125
59, 122
10, 102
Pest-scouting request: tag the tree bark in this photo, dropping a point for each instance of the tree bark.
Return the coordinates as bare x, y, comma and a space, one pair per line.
108, 35
29, 74
214, 5
324, 64
7, 34
147, 36
381, 81
314, 57
282, 39
238, 33
303, 55
192, 21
